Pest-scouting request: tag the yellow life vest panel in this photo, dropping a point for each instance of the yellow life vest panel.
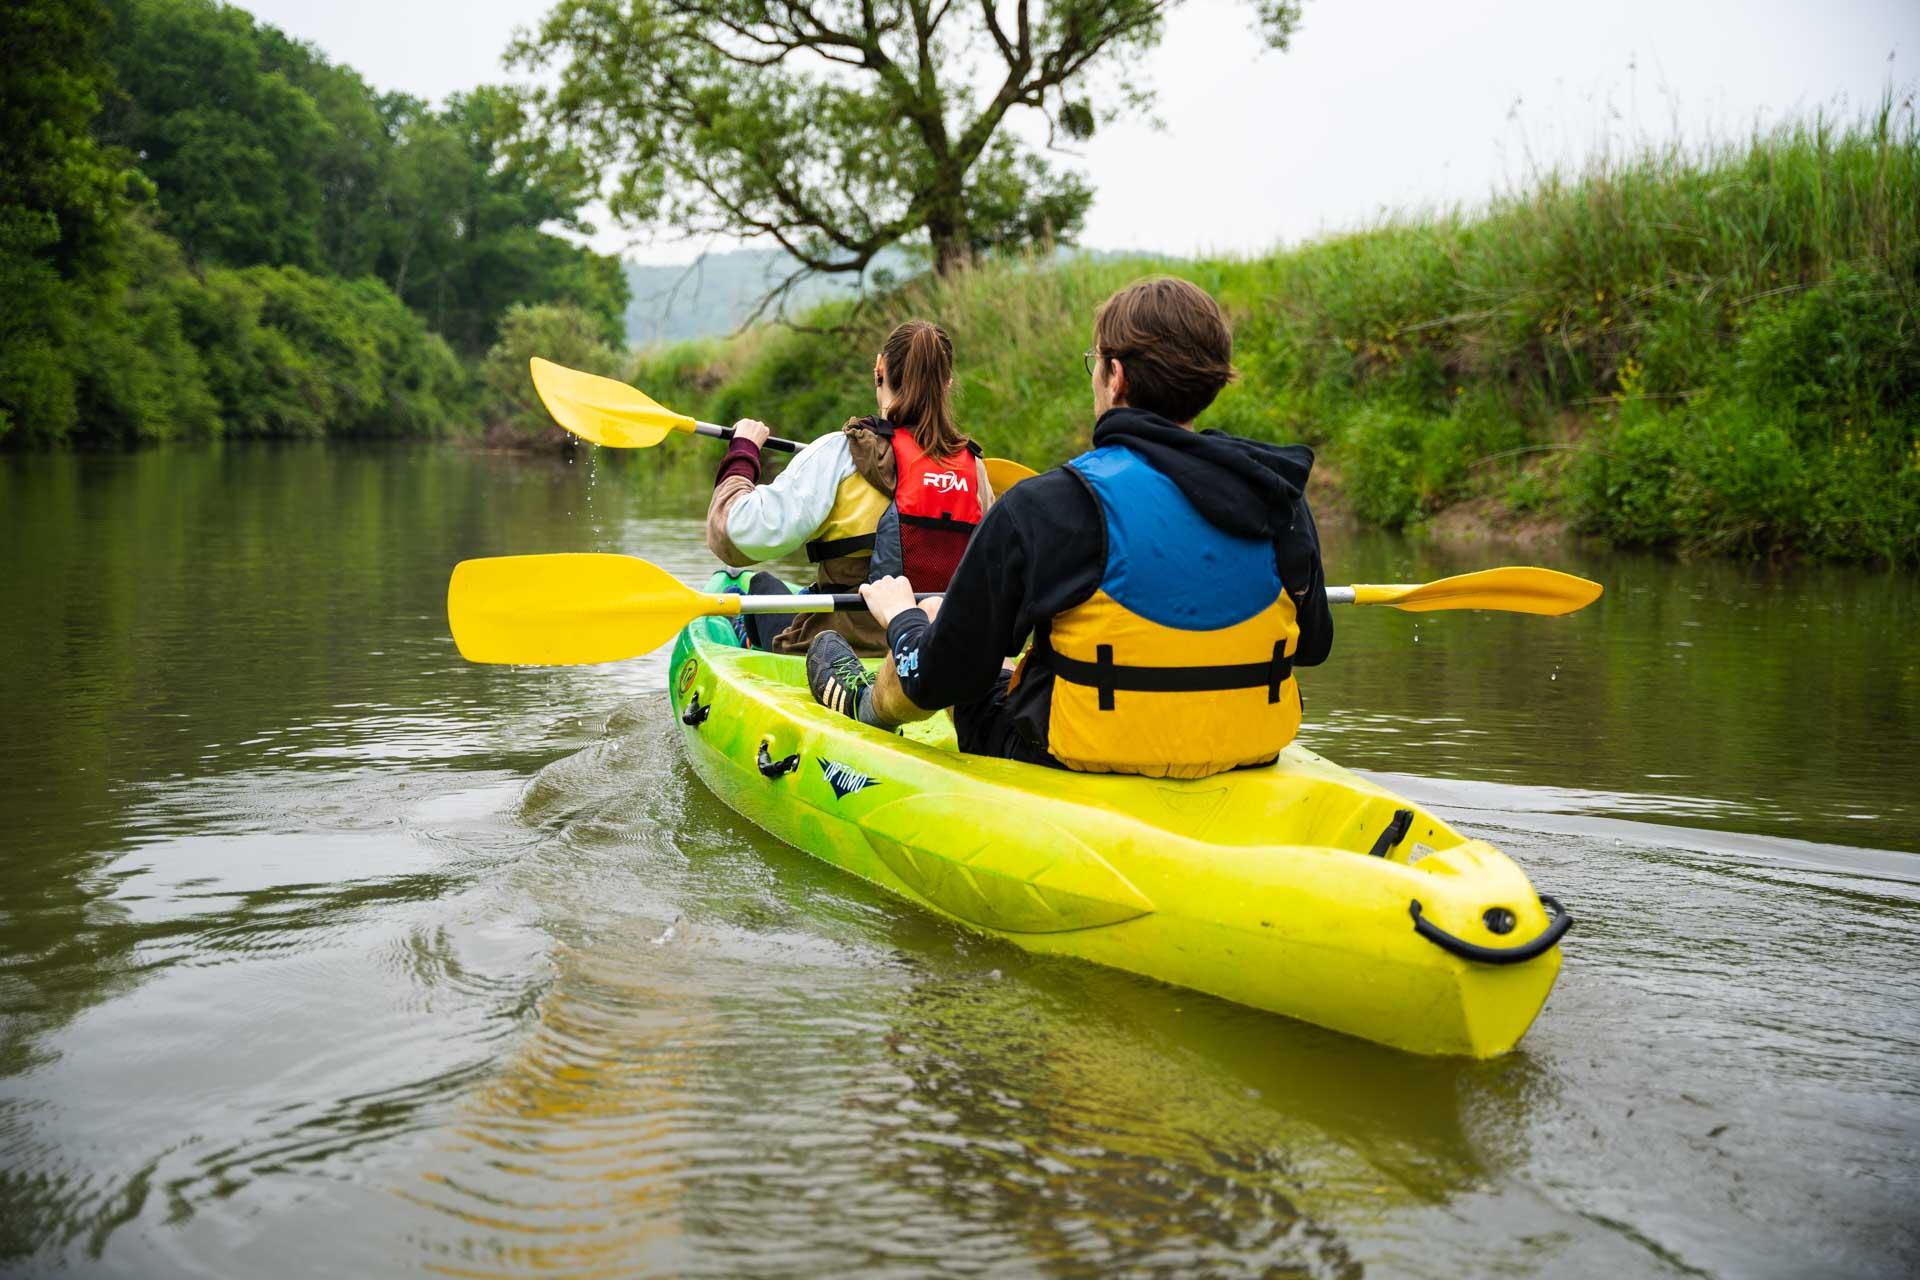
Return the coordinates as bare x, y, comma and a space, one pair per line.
842, 547
850, 526
1180, 663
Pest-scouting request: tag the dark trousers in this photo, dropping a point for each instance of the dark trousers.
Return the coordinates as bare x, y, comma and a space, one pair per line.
757, 630
985, 727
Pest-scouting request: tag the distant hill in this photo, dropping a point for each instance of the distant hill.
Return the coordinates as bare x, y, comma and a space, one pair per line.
713, 296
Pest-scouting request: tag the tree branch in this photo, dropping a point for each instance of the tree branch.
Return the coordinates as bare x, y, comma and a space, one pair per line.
989, 10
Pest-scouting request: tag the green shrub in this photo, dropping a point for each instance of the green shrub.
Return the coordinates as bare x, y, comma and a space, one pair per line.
289, 354
560, 332
1531, 490
1838, 348
1382, 445
141, 378
1622, 481
1728, 475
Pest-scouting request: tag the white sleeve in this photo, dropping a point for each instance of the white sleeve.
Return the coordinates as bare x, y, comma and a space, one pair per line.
776, 519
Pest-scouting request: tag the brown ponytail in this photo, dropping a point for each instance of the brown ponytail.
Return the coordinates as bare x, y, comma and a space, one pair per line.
919, 359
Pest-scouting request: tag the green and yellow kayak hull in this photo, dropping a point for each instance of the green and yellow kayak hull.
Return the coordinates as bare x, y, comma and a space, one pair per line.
1257, 886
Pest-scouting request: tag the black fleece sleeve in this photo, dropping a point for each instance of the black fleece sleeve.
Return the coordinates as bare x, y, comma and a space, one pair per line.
1039, 551
1306, 582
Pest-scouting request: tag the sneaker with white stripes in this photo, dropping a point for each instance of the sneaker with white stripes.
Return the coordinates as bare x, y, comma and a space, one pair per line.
836, 675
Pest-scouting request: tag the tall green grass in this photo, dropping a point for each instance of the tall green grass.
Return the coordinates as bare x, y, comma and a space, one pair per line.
1715, 350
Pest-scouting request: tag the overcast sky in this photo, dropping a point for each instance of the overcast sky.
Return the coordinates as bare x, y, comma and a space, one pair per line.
1379, 104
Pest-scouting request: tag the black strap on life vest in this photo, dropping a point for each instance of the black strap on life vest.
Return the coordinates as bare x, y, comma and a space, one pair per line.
1107, 676
935, 522
862, 543
821, 549
827, 549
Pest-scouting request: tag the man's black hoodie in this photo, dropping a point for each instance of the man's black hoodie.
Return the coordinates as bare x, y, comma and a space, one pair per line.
1042, 550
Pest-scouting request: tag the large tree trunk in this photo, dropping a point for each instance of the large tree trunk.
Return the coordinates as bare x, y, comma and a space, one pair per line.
950, 254
947, 229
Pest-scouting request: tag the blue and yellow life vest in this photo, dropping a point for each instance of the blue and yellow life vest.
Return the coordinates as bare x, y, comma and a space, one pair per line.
1179, 664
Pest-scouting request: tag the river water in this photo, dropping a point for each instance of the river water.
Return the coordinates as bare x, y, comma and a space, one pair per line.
323, 952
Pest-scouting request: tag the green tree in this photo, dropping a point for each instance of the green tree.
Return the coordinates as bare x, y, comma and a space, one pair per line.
472, 190
265, 154
354, 168
840, 127
63, 203
287, 353
211, 106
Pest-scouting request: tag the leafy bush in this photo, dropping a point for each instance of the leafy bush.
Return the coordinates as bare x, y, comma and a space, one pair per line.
291, 354
1805, 436
1838, 348
562, 333
1383, 446
140, 377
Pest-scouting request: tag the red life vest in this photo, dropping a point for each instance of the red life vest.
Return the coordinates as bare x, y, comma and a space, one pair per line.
935, 509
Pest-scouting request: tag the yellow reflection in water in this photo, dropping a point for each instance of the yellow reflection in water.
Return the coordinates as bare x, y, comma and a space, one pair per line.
569, 1159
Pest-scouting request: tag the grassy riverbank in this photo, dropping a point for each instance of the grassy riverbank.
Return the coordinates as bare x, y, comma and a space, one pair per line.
1713, 352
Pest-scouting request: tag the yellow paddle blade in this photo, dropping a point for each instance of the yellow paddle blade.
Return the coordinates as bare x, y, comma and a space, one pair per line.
1004, 473
601, 410
564, 609
1513, 589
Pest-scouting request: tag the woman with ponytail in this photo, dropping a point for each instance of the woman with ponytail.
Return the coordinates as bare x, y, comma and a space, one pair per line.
897, 493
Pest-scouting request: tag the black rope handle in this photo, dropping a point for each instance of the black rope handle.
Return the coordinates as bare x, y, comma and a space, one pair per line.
1555, 930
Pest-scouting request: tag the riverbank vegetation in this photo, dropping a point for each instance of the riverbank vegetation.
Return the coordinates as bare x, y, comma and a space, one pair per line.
206, 228
1717, 350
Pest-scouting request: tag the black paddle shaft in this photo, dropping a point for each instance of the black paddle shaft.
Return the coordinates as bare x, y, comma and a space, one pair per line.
813, 602
719, 432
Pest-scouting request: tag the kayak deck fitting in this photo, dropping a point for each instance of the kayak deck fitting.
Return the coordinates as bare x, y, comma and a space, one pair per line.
1297, 888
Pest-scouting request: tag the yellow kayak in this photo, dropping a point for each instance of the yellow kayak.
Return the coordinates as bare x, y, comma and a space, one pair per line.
1297, 888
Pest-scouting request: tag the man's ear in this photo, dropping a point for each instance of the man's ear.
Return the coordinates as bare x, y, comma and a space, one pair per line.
1117, 382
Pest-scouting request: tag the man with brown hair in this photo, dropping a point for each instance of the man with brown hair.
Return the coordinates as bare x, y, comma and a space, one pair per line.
1169, 580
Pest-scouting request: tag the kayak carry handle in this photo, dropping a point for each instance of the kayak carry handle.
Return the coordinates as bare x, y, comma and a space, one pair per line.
771, 768
696, 714
1447, 942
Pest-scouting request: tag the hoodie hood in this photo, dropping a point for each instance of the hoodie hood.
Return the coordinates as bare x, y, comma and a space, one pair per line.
1243, 487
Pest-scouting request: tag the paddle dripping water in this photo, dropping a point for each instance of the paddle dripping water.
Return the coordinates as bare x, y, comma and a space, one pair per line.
323, 950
